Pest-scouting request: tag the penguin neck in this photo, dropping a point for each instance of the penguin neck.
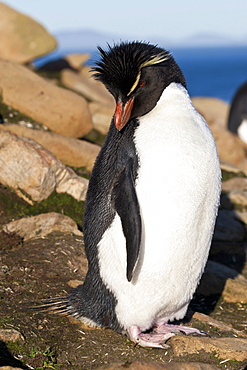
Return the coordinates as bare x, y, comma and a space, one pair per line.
173, 103
172, 94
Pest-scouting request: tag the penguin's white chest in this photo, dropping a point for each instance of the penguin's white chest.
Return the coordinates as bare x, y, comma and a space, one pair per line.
242, 131
177, 186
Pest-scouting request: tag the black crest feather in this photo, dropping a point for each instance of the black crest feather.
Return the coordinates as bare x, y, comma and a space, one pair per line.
123, 61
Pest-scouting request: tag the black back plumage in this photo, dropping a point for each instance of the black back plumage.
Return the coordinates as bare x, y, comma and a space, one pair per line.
238, 110
93, 299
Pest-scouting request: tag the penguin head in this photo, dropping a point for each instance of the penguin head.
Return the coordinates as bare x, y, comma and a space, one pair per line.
136, 74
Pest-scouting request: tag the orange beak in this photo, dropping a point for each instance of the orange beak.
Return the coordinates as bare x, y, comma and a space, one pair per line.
122, 113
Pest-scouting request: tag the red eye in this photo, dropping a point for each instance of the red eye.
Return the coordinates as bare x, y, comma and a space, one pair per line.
142, 84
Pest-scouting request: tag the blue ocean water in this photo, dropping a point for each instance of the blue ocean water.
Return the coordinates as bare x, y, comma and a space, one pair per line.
214, 72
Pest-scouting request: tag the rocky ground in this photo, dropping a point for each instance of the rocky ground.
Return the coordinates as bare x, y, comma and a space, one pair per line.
52, 123
48, 266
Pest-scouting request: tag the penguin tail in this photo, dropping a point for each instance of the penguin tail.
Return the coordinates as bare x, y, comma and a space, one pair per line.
58, 305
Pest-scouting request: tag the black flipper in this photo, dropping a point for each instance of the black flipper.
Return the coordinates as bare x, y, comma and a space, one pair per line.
127, 206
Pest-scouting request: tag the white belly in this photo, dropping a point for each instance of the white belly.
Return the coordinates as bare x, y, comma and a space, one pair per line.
242, 131
178, 187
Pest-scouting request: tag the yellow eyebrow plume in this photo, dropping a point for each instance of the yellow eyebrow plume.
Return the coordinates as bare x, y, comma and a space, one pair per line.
156, 59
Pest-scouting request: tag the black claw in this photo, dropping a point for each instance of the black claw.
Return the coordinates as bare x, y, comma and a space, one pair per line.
204, 333
183, 332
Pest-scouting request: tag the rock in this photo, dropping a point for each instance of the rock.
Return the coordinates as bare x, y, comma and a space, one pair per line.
102, 116
66, 179
214, 110
86, 87
77, 60
228, 227
235, 291
56, 65
23, 169
238, 197
22, 39
72, 152
71, 61
237, 190
223, 271
10, 368
243, 163
38, 226
230, 250
33, 172
225, 202
87, 72
189, 366
10, 335
230, 147
235, 183
217, 324
242, 217
74, 283
101, 110
68, 182
62, 111
227, 167
143, 365
224, 348
217, 278
214, 278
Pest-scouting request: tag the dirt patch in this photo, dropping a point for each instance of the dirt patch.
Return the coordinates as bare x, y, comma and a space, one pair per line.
35, 270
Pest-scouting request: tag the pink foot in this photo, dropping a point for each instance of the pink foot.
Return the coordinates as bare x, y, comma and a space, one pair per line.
148, 340
169, 328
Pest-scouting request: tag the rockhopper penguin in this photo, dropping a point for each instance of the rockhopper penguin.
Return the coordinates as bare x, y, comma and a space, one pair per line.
152, 200
237, 120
